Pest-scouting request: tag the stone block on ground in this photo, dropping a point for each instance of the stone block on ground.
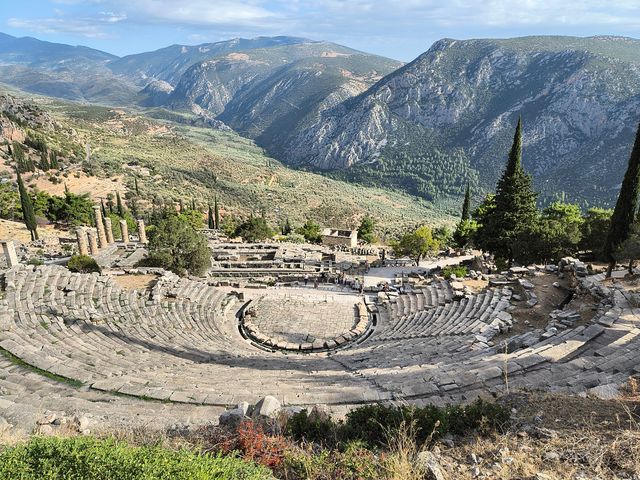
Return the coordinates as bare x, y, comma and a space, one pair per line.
267, 407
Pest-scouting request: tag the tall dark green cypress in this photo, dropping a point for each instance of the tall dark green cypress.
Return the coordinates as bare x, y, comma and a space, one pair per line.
216, 213
626, 206
27, 209
119, 205
515, 206
135, 183
466, 205
193, 204
210, 220
44, 161
53, 160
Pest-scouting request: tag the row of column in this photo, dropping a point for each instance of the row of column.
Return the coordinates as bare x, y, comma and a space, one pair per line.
90, 241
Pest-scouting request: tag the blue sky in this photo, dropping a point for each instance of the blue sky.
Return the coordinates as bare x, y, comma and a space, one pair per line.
400, 29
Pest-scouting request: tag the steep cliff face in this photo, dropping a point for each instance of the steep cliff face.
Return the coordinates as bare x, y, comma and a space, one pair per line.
209, 86
290, 98
579, 99
270, 94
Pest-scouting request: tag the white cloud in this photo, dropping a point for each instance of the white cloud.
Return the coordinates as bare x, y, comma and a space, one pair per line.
89, 27
198, 12
58, 25
387, 25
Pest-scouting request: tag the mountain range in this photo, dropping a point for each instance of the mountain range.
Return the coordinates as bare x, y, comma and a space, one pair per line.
427, 127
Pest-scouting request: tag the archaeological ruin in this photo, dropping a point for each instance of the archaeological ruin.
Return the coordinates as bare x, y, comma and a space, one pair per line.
290, 321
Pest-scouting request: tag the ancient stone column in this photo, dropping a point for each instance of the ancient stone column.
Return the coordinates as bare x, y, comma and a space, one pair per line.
109, 230
9, 249
93, 242
124, 228
83, 247
142, 234
102, 235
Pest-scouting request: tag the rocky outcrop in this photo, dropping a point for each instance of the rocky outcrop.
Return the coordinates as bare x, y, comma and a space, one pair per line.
156, 93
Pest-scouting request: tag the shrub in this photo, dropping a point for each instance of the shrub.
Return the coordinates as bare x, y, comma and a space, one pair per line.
304, 427
294, 238
83, 264
459, 271
253, 443
354, 463
311, 231
373, 425
50, 458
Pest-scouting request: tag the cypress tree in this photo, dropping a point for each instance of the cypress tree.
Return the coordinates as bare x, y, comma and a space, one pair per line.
466, 205
181, 206
210, 220
53, 160
44, 161
626, 206
27, 209
216, 213
104, 209
119, 205
193, 204
135, 183
515, 206
287, 228
133, 205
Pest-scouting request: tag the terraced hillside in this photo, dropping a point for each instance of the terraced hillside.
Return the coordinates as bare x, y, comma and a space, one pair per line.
174, 161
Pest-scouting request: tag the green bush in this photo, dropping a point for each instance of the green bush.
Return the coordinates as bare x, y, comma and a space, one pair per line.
311, 428
458, 270
83, 264
175, 245
373, 425
86, 458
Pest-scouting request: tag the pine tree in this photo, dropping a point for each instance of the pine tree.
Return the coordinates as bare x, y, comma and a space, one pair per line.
216, 213
515, 206
466, 205
119, 205
27, 209
210, 220
626, 206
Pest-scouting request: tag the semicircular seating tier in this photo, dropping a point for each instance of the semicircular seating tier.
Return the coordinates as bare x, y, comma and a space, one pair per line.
180, 342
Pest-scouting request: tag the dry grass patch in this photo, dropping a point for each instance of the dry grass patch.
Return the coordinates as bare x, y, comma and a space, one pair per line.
135, 282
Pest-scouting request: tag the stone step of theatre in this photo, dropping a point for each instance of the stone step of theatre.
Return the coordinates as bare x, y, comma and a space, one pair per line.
180, 341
